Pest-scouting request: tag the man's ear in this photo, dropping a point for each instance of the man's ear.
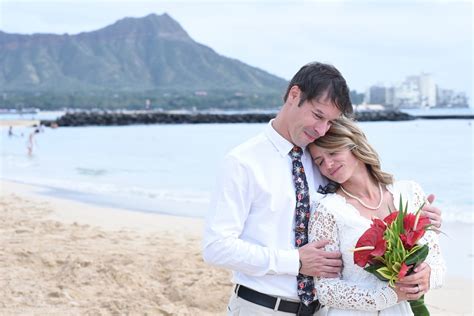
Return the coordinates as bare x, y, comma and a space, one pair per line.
295, 94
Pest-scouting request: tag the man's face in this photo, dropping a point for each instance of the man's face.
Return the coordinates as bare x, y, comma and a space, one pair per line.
311, 119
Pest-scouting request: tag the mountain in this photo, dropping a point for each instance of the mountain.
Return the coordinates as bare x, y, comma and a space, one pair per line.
133, 54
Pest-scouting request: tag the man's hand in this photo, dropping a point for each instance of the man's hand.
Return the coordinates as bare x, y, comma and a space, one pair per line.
315, 261
412, 287
432, 212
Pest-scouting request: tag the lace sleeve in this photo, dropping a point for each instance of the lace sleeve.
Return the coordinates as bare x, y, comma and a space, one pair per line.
435, 259
340, 293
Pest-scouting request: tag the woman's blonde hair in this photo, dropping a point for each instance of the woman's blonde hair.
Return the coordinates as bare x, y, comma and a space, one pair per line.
344, 133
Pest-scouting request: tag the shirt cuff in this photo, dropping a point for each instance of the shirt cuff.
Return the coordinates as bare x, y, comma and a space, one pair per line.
288, 262
387, 298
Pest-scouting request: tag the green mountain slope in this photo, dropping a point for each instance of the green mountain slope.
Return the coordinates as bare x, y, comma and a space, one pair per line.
131, 55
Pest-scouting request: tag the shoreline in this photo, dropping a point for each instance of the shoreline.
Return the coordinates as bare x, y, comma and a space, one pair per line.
159, 207
65, 256
19, 123
90, 213
459, 260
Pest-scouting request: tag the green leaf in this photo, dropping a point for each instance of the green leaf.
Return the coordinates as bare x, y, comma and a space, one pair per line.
380, 277
418, 256
373, 269
399, 220
413, 250
396, 266
386, 272
418, 307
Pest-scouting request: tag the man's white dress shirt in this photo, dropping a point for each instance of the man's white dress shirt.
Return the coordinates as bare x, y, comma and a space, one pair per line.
250, 226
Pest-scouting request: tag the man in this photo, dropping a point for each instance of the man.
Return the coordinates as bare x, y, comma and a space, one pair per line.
258, 220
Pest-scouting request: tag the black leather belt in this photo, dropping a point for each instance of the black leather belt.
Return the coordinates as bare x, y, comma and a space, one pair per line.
269, 301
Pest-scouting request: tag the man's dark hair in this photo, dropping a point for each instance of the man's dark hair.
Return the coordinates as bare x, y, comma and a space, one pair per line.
316, 80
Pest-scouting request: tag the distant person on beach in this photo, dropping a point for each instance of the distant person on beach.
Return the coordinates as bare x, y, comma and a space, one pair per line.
10, 131
32, 141
258, 222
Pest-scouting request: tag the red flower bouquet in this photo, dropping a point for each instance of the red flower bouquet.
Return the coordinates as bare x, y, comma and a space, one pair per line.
389, 248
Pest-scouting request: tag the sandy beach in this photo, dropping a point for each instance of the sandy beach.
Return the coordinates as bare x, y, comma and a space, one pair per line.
19, 123
64, 257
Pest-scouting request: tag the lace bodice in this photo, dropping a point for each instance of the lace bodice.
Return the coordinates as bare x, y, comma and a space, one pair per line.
340, 223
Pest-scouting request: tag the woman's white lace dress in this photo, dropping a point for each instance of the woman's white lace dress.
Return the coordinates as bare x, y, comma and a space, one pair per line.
358, 292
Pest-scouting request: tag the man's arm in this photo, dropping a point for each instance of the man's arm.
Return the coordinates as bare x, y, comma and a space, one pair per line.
315, 261
229, 212
416, 284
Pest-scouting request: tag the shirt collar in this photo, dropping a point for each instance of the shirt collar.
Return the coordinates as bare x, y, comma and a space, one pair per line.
280, 143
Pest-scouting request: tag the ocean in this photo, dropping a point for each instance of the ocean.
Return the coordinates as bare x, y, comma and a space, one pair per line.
171, 169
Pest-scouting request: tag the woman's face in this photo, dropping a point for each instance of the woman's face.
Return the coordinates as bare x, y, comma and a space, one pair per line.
337, 165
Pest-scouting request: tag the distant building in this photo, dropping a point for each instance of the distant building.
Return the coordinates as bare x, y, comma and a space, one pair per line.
356, 97
376, 95
459, 100
427, 88
390, 97
415, 92
407, 94
444, 97
448, 98
379, 95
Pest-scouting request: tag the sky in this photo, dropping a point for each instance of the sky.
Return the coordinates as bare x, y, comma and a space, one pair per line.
370, 42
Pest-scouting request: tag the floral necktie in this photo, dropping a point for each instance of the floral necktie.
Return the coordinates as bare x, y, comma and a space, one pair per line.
305, 283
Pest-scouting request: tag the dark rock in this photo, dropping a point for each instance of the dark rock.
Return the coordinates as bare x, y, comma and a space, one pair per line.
118, 118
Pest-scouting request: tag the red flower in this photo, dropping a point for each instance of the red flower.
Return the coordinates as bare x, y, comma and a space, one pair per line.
378, 223
410, 219
372, 238
403, 271
412, 235
390, 218
410, 238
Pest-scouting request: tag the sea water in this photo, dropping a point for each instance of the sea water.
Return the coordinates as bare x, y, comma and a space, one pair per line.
172, 168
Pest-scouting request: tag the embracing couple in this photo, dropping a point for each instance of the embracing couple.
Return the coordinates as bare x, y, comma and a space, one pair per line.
292, 201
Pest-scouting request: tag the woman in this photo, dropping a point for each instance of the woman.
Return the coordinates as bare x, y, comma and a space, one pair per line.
361, 190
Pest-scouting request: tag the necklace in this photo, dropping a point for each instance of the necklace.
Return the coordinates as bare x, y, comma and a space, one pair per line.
362, 202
